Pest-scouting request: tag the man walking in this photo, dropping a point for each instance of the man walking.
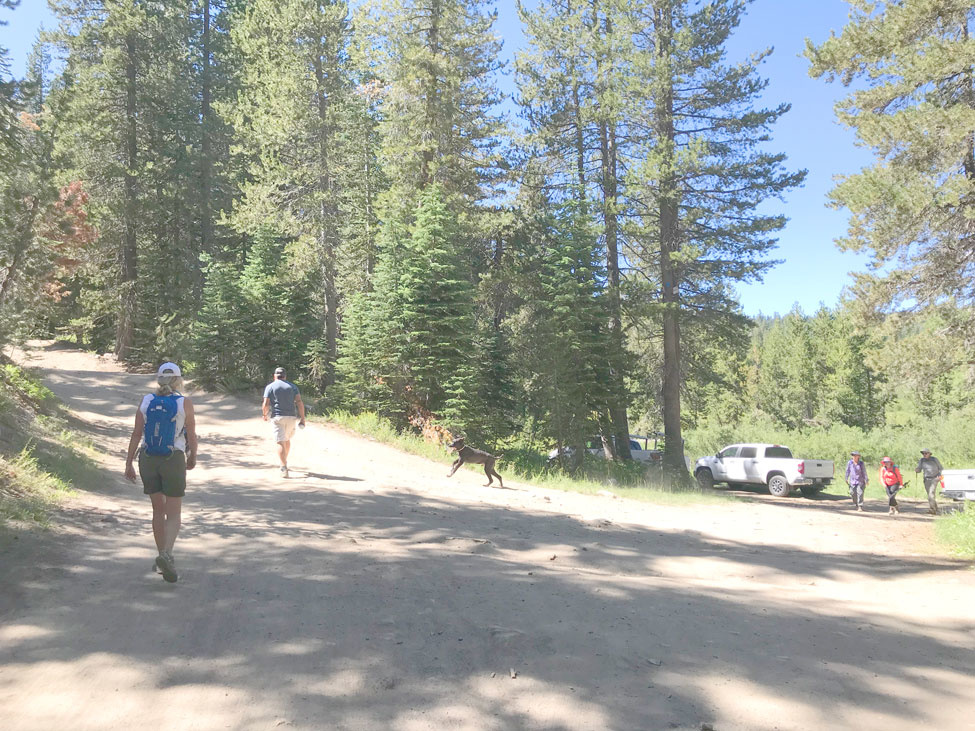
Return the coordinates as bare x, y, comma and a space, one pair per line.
890, 478
283, 407
856, 478
931, 469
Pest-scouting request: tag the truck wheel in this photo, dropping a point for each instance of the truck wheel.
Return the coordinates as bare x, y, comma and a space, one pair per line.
810, 490
778, 486
705, 480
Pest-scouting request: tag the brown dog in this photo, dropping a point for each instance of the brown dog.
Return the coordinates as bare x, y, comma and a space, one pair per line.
475, 456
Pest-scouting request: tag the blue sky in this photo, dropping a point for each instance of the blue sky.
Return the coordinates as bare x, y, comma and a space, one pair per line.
813, 271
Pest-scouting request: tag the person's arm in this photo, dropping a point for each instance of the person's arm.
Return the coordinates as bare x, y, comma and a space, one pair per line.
918, 468
266, 408
134, 440
300, 405
938, 462
190, 426
900, 478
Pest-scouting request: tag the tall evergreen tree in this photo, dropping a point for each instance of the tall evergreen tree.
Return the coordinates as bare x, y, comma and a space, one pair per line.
913, 63
434, 62
704, 174
296, 115
573, 89
132, 133
8, 108
558, 329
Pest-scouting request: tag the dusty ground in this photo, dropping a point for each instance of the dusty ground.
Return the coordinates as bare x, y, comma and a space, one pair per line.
370, 592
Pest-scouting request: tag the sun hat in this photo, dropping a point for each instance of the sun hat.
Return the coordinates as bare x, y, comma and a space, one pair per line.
854, 453
279, 371
169, 369
886, 459
925, 451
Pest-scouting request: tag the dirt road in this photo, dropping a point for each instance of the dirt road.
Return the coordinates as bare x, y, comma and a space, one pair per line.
370, 592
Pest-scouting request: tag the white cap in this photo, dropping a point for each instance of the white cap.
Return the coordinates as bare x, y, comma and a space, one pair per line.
168, 369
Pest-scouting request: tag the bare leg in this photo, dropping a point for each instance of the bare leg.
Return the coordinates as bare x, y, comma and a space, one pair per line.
159, 520
283, 453
174, 507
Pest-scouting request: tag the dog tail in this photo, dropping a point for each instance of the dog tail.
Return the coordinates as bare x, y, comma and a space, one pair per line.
500, 456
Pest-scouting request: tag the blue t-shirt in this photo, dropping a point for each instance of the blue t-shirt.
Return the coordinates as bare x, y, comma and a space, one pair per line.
282, 395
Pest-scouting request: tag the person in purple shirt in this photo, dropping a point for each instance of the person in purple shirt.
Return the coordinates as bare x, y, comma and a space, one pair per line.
856, 478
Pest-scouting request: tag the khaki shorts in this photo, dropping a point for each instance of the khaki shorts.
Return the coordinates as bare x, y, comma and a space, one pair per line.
165, 474
284, 428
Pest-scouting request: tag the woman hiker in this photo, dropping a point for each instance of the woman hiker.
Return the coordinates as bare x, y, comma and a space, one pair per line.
890, 478
856, 478
165, 437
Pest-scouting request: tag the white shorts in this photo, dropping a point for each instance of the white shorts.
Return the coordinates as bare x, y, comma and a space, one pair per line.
284, 428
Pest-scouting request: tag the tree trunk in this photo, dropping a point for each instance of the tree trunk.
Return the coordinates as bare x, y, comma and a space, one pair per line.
670, 275
206, 162
433, 48
327, 218
128, 290
621, 429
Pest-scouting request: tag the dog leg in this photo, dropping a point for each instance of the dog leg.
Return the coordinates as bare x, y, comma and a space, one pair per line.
496, 474
487, 471
457, 463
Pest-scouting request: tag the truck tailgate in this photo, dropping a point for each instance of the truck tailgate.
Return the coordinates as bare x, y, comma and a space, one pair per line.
818, 468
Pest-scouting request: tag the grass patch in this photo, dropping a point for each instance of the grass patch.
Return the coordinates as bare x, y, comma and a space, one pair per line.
41, 459
27, 490
525, 465
956, 531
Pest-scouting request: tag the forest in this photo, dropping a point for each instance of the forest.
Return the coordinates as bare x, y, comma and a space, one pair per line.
336, 187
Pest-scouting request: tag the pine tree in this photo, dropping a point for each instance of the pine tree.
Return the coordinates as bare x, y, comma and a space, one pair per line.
435, 314
296, 116
573, 85
703, 176
9, 142
436, 60
438, 156
913, 211
131, 119
558, 332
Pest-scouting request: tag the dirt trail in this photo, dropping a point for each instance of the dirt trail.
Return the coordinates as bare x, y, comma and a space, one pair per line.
370, 592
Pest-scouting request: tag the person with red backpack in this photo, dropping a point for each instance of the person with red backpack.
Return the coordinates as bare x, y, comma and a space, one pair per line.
165, 438
890, 478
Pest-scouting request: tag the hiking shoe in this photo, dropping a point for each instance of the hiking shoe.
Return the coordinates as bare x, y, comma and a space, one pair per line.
167, 566
859, 508
284, 471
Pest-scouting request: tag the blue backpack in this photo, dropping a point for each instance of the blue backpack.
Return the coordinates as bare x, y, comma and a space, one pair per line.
160, 431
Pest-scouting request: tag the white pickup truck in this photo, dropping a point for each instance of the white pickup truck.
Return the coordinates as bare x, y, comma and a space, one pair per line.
959, 485
764, 464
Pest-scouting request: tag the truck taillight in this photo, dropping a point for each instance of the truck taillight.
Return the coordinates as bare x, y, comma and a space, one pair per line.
802, 467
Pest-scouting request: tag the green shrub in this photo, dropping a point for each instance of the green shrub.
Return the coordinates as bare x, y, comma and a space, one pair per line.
19, 379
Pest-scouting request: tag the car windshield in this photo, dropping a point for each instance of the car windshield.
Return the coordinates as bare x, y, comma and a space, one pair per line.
780, 452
